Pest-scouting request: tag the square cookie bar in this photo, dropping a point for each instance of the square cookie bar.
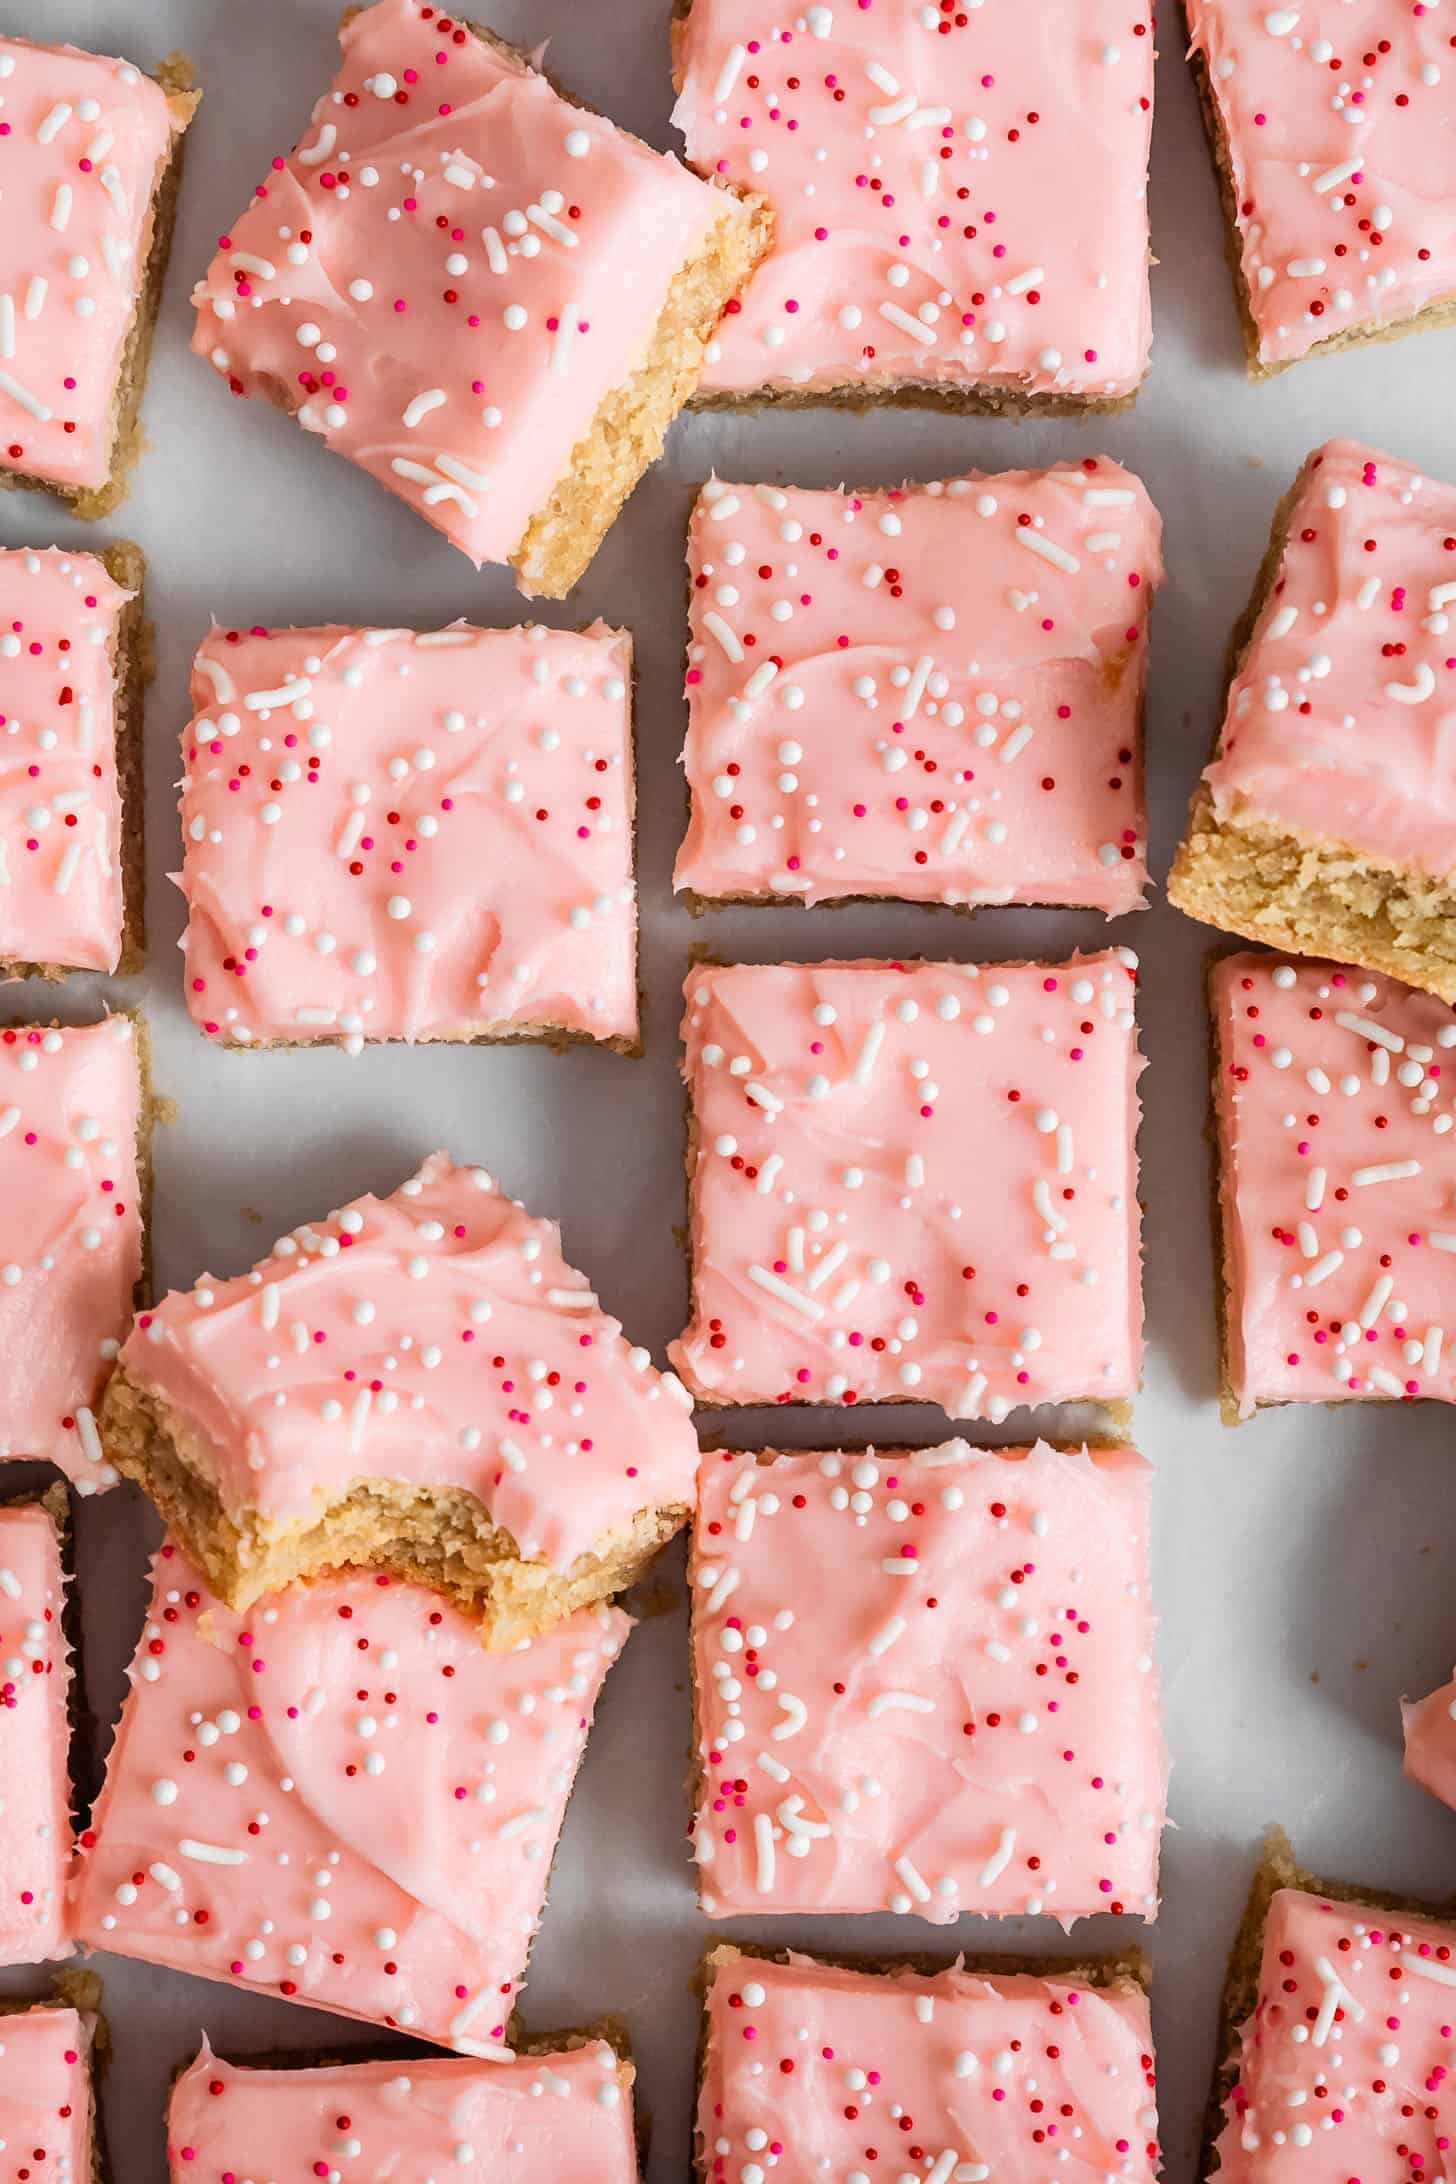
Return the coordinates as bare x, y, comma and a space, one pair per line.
849, 1759
959, 197
914, 1182
401, 834
933, 693
1333, 1101
75, 1175
1325, 823
74, 661
980, 2069
35, 1708
419, 1383
340, 1797
559, 2112
48, 2113
92, 158
1331, 128
487, 297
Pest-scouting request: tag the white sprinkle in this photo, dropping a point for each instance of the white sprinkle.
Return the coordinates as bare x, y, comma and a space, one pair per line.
421, 406
1385, 1171
999, 1859
1048, 549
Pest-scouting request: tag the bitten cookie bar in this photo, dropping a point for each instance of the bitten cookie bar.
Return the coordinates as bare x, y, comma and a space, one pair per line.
419, 1383
489, 298
74, 660
1333, 1099
959, 197
981, 2070
91, 160
75, 1169
35, 1724
340, 1797
849, 1759
400, 834
1430, 1742
558, 2114
1332, 130
1325, 823
933, 694
48, 2054
914, 1182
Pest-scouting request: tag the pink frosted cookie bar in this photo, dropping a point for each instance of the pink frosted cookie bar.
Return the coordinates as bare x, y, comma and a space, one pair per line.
75, 1128
1331, 128
844, 1764
89, 157
35, 1733
48, 2132
1430, 1742
1337, 1162
914, 1182
399, 834
419, 1383
960, 196
933, 693
340, 1797
1326, 821
944, 2076
552, 2115
489, 298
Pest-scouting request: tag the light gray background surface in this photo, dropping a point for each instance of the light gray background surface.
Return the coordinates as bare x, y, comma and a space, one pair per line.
1303, 1564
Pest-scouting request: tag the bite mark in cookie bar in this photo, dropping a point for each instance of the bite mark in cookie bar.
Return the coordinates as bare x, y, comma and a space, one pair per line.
1333, 1095
963, 1718
399, 834
47, 2089
1331, 128
90, 185
977, 2070
340, 1797
1430, 1742
914, 1182
933, 693
559, 2114
35, 1687
75, 1129
419, 1383
1324, 824
959, 198
501, 301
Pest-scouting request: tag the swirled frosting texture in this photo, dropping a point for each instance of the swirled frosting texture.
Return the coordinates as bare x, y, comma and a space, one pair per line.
1343, 2067
933, 693
562, 2118
485, 263
1341, 723
914, 1180
392, 834
35, 1788
1337, 1162
341, 1797
964, 1719
960, 198
437, 1335
964, 2074
1430, 1742
70, 1235
1341, 158
46, 2107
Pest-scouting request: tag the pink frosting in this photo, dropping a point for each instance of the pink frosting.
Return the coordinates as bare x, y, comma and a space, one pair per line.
966, 1720
543, 2119
437, 1335
46, 2113
886, 698
340, 1797
914, 1180
35, 1786
449, 273
948, 2078
60, 800
1344, 2063
1430, 1742
960, 196
1341, 723
81, 142
1337, 1165
70, 1235
400, 835
1338, 119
